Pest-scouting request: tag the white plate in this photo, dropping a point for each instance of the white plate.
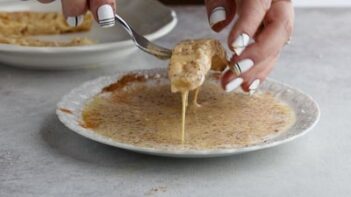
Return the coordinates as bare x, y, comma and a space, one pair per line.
114, 43
306, 110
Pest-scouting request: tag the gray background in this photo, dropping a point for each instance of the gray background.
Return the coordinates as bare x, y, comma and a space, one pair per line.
40, 157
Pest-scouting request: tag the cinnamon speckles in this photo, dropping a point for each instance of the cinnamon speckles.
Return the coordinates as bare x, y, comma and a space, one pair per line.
155, 190
128, 79
147, 114
125, 80
66, 110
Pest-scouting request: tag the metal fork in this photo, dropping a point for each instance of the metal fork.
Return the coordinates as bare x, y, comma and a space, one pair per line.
142, 43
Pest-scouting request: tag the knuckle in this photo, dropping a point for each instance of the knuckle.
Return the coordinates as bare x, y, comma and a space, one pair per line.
213, 3
74, 7
262, 76
101, 2
259, 53
288, 26
264, 5
209, 2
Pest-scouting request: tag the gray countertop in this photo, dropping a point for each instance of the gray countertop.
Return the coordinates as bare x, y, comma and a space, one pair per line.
40, 157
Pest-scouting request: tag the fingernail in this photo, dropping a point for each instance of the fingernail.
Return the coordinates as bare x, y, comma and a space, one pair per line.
217, 15
244, 65
234, 84
253, 87
241, 43
106, 16
74, 21
235, 69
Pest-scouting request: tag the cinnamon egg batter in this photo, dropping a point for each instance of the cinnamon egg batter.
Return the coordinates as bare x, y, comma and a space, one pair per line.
141, 110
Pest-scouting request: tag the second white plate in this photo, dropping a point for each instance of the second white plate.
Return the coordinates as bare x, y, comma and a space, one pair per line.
113, 43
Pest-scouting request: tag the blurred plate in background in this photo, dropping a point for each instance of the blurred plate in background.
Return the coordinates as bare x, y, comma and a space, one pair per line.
113, 43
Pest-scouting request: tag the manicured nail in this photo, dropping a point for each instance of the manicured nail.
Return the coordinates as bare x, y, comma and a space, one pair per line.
234, 84
253, 87
106, 16
244, 65
241, 43
235, 69
74, 21
217, 15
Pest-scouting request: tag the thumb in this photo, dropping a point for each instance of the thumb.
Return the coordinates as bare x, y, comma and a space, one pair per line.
220, 13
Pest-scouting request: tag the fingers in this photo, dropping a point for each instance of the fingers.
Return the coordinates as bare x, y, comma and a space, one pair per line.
220, 13
255, 63
255, 77
252, 64
74, 11
104, 12
249, 81
279, 22
251, 14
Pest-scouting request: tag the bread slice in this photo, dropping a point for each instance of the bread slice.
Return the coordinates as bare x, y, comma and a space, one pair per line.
39, 23
16, 28
191, 60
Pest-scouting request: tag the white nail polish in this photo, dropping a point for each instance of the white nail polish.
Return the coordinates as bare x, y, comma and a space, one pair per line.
254, 85
74, 21
234, 84
217, 15
235, 69
244, 65
241, 43
106, 16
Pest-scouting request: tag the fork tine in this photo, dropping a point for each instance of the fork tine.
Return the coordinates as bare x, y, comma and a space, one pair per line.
143, 43
151, 47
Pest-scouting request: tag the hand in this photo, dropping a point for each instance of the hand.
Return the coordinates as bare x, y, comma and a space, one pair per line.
268, 22
103, 11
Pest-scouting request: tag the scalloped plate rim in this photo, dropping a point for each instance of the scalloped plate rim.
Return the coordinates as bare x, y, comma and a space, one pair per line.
176, 153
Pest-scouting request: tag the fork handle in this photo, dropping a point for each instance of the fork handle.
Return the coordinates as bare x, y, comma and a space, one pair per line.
124, 24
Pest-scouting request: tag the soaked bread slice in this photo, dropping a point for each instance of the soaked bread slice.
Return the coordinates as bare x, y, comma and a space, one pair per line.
191, 60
